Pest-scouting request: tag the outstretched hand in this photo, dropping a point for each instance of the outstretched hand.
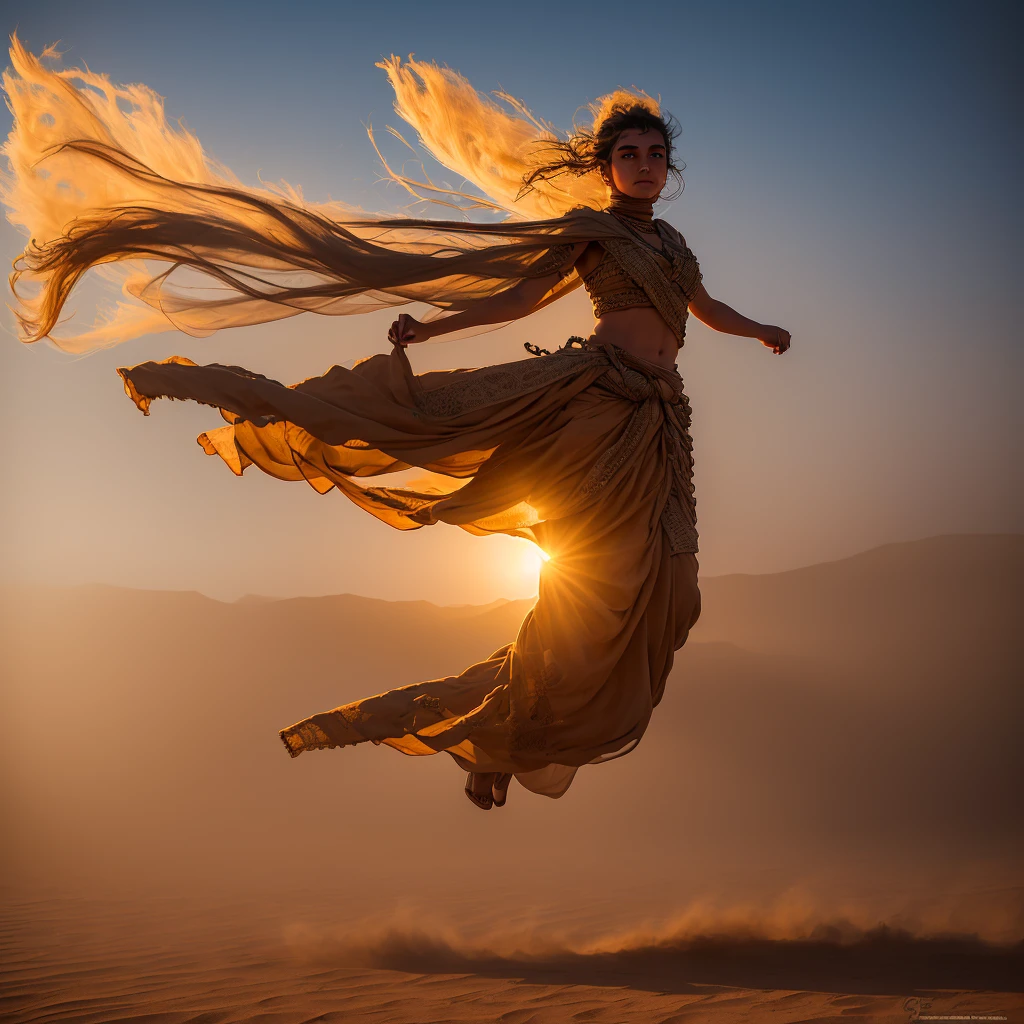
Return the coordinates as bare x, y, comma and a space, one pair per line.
407, 330
774, 338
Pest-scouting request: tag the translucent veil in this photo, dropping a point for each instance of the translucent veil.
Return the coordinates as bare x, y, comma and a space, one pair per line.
101, 181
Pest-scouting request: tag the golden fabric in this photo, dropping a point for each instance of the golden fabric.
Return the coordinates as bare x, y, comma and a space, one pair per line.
101, 182
611, 288
585, 451
618, 280
634, 271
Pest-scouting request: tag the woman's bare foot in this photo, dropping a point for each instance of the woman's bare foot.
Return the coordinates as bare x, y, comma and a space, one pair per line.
479, 789
499, 788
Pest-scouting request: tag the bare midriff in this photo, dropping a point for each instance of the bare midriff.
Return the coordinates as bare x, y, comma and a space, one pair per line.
641, 331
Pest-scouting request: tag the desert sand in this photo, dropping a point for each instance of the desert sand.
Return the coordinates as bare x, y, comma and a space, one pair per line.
822, 822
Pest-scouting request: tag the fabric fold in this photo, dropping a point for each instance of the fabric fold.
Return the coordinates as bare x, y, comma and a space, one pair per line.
192, 248
585, 452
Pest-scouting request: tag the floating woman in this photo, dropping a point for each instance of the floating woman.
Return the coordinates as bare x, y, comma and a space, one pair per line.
584, 450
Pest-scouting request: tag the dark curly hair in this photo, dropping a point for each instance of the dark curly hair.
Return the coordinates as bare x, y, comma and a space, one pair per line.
586, 150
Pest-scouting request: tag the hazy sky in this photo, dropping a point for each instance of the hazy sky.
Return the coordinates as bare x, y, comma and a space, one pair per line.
851, 173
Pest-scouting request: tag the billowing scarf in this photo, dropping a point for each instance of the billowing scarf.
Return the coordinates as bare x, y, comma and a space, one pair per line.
137, 201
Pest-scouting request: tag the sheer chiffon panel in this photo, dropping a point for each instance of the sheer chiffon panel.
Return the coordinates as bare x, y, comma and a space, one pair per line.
578, 451
585, 451
100, 180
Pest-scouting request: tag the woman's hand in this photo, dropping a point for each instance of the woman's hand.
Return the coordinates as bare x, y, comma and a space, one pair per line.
407, 330
774, 338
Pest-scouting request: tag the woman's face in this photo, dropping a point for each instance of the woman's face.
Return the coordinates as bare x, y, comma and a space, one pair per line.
639, 163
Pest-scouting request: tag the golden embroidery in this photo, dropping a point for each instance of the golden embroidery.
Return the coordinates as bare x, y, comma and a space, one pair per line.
686, 273
635, 274
475, 389
531, 733
644, 268
680, 515
656, 390
306, 735
677, 521
556, 259
611, 288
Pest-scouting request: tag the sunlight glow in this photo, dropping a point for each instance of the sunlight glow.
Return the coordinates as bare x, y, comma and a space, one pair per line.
531, 561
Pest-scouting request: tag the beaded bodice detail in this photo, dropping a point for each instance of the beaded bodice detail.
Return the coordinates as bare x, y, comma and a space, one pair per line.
633, 272
616, 281
611, 288
610, 285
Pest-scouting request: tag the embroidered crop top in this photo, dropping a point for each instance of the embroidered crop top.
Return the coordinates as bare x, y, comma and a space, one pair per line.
611, 287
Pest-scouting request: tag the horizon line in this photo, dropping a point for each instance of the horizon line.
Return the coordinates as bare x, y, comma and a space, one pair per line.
9, 585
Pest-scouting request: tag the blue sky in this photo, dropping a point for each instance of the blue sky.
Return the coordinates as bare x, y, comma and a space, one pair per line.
851, 174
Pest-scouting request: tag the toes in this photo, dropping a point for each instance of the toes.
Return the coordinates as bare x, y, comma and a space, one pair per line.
481, 784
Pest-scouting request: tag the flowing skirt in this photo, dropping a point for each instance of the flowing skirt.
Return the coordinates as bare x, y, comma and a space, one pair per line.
585, 451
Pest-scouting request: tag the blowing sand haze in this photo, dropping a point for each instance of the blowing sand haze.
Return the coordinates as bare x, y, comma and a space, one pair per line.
735, 791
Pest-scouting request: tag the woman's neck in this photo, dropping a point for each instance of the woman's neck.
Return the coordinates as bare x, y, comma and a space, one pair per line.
627, 206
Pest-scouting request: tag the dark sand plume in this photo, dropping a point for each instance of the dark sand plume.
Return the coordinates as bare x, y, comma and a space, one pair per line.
838, 750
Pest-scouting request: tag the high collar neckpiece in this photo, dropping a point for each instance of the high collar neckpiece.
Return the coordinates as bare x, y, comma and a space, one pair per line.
627, 206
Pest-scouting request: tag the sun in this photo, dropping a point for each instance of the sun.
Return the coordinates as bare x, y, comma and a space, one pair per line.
531, 560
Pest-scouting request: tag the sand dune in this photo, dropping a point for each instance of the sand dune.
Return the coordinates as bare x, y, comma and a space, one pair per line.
174, 960
838, 750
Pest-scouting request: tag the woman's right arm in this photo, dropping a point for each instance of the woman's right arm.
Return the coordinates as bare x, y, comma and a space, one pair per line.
508, 305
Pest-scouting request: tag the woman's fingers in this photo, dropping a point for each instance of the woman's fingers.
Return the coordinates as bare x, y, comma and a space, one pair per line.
402, 330
780, 343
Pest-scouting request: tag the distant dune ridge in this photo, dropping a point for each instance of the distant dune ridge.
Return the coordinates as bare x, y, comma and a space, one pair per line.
838, 749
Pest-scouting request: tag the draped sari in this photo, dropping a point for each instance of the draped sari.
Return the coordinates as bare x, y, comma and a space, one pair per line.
585, 451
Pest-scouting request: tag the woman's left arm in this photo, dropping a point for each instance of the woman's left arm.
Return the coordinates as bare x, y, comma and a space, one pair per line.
721, 317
